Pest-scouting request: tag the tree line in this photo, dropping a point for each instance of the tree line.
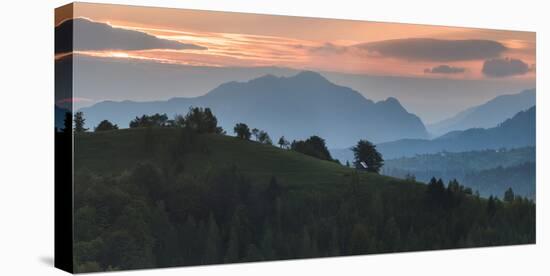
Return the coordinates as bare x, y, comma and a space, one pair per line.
202, 120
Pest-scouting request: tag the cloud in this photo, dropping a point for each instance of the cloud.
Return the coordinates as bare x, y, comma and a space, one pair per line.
427, 49
95, 36
330, 48
505, 67
445, 69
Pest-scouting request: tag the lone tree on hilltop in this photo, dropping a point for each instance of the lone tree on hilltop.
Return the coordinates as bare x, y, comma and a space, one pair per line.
242, 131
365, 153
314, 146
105, 125
202, 120
256, 134
264, 138
283, 143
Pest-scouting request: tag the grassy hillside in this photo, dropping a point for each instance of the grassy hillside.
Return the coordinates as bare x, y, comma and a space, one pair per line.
115, 151
160, 197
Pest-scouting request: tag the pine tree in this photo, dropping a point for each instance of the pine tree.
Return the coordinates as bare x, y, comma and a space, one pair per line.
212, 247
190, 242
68, 123
305, 250
79, 122
491, 206
267, 243
233, 245
509, 195
393, 234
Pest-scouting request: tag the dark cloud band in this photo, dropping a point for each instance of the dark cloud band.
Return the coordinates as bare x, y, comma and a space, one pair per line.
80, 34
426, 49
505, 67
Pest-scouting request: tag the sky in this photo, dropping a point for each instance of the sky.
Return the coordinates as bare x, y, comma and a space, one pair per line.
236, 39
192, 38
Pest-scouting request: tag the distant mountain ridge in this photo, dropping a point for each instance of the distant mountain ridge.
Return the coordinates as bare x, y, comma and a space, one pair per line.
486, 115
297, 107
491, 171
519, 131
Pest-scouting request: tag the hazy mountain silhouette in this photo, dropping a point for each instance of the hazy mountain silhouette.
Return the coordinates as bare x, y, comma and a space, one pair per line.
486, 115
432, 99
299, 106
519, 131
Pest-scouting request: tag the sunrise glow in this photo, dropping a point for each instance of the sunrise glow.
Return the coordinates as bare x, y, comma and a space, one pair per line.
248, 40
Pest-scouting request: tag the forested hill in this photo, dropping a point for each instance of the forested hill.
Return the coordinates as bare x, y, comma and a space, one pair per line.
491, 172
486, 115
518, 131
158, 197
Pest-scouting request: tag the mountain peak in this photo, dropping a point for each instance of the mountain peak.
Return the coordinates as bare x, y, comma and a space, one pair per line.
267, 77
488, 114
310, 76
392, 100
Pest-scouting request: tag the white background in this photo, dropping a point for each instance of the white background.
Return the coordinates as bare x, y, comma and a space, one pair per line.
26, 137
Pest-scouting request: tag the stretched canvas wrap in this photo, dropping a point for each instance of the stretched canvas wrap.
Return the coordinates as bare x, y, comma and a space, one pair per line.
188, 137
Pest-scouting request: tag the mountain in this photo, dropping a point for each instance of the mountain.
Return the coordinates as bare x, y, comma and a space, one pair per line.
98, 79
297, 107
486, 115
519, 131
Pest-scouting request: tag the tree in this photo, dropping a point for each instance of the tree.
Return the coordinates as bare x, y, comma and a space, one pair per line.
273, 190
79, 122
509, 195
105, 125
436, 192
264, 138
361, 241
366, 152
283, 143
155, 120
68, 123
242, 131
232, 252
202, 120
212, 246
256, 133
314, 146
392, 234
491, 206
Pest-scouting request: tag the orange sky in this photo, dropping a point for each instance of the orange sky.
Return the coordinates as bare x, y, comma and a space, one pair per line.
237, 39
